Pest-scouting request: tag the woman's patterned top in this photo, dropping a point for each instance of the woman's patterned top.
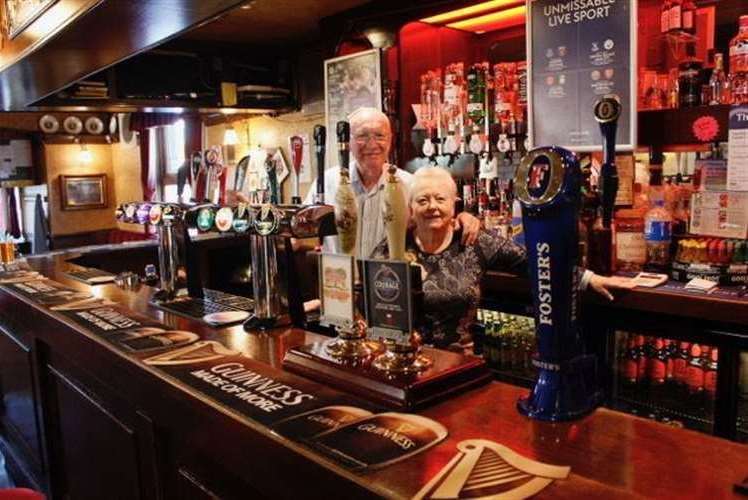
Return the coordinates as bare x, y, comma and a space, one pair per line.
451, 280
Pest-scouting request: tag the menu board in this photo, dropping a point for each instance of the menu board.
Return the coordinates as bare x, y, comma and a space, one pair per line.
580, 51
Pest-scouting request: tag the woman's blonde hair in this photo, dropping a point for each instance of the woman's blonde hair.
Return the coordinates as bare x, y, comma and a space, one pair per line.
432, 173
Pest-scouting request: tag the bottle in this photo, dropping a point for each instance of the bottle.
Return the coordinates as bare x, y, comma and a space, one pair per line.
689, 81
642, 364
459, 201
717, 87
688, 17
482, 202
657, 369
476, 83
710, 374
630, 246
675, 22
631, 361
695, 370
665, 17
739, 64
680, 364
657, 232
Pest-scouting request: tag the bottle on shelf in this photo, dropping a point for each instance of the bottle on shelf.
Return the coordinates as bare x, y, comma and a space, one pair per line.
630, 245
695, 370
688, 17
689, 79
675, 22
710, 374
719, 89
657, 233
739, 63
665, 17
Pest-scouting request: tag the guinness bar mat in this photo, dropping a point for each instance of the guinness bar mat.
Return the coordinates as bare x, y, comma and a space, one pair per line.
379, 440
45, 292
251, 388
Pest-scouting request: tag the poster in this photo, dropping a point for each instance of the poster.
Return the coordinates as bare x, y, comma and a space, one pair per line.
737, 152
351, 82
580, 51
336, 290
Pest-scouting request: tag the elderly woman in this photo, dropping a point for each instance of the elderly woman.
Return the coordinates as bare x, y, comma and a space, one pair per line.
452, 272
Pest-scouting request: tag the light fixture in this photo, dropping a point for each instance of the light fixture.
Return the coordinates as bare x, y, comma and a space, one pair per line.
486, 16
84, 155
229, 136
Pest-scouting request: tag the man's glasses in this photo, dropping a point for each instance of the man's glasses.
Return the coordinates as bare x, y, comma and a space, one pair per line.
365, 138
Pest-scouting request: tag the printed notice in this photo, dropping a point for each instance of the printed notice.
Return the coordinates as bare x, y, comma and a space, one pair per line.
581, 50
737, 154
723, 214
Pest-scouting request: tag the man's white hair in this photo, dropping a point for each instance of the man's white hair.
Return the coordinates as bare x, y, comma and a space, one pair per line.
439, 174
363, 115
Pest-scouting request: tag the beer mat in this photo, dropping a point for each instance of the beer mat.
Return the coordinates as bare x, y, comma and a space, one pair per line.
103, 320
9, 277
91, 276
82, 304
46, 292
315, 422
486, 469
379, 440
149, 339
253, 389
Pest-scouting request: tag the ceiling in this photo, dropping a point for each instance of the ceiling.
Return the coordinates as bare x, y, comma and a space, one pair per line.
268, 22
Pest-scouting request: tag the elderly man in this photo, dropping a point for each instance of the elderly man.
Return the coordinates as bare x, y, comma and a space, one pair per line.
371, 139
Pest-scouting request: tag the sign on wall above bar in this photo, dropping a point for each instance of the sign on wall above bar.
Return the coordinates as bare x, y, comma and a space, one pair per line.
579, 51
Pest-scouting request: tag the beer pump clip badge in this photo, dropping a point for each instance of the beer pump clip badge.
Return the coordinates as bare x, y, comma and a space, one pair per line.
389, 299
336, 290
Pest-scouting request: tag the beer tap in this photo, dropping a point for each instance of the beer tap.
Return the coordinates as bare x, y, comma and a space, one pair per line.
607, 111
297, 150
346, 209
320, 138
395, 215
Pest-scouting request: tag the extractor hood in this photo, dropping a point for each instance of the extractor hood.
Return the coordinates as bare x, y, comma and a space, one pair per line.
76, 38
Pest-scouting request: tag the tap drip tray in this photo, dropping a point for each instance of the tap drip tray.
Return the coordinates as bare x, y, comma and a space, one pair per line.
212, 302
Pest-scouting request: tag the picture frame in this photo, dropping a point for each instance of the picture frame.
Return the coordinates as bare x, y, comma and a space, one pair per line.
19, 14
83, 192
351, 82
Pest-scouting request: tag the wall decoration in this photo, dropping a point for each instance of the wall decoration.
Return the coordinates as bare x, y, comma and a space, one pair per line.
351, 82
19, 14
83, 192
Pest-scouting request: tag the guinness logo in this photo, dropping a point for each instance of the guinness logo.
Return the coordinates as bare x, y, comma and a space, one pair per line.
267, 220
487, 470
386, 284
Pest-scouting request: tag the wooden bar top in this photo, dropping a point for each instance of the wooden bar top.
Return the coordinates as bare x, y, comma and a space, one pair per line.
611, 454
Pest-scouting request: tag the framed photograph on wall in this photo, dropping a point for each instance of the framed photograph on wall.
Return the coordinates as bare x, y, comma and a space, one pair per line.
351, 82
83, 192
18, 14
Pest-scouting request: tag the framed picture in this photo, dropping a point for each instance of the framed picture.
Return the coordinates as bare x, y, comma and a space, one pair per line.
351, 82
83, 192
20, 13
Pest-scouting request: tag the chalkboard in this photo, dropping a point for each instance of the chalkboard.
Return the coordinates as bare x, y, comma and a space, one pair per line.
579, 51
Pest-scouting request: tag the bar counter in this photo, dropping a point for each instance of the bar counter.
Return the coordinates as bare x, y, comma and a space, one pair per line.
103, 421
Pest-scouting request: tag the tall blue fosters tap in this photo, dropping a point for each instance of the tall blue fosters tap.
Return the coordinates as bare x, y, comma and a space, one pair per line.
547, 185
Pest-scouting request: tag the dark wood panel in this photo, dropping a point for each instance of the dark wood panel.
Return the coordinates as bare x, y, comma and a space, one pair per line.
98, 451
18, 410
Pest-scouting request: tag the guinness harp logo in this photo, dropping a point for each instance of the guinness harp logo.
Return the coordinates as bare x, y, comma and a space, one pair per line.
489, 471
199, 352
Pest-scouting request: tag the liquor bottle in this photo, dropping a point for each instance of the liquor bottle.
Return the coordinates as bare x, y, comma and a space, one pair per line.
695, 370
460, 201
504, 221
476, 104
689, 79
665, 17
688, 17
468, 198
657, 232
675, 22
739, 64
710, 375
395, 215
482, 201
493, 213
718, 83
642, 360
657, 367
630, 245
680, 364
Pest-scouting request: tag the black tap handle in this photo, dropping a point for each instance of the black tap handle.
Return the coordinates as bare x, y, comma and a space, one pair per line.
607, 111
343, 131
320, 143
320, 136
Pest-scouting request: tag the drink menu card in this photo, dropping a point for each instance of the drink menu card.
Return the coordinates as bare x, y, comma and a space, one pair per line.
737, 149
328, 421
580, 51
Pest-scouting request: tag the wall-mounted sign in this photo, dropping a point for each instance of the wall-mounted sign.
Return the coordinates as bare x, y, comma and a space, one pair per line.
579, 51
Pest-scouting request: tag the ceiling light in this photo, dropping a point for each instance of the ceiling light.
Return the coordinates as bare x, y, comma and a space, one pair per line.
493, 21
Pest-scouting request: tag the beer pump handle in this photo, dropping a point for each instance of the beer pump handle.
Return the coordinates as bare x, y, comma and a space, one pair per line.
607, 111
343, 131
296, 144
320, 139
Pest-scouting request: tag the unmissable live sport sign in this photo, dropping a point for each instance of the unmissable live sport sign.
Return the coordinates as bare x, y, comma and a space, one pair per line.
579, 51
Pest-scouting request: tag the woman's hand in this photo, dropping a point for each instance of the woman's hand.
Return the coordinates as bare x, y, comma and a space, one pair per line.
470, 227
602, 284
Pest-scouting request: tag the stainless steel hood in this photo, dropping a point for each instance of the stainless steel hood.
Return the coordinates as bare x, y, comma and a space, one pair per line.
76, 38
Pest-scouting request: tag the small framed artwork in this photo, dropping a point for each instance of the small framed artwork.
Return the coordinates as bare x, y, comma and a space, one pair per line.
351, 82
83, 192
19, 14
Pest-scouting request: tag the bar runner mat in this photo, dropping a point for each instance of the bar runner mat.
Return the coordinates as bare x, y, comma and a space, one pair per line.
343, 428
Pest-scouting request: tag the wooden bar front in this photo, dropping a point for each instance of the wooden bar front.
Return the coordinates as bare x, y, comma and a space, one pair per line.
106, 424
